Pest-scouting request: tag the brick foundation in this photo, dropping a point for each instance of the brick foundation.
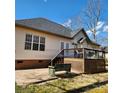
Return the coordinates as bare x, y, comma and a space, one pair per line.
31, 64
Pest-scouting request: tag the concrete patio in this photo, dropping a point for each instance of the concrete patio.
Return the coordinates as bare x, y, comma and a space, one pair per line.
32, 76
28, 76
24, 77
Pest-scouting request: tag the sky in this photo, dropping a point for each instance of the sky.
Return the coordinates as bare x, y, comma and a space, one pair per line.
60, 11
56, 10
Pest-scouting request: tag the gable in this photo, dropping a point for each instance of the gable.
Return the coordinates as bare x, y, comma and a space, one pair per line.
78, 36
82, 35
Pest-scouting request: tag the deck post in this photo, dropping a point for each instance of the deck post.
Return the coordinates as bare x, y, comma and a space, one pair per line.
96, 54
83, 53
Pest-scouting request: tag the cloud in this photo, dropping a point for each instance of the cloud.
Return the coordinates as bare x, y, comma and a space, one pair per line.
67, 23
45, 0
89, 33
105, 28
100, 25
98, 32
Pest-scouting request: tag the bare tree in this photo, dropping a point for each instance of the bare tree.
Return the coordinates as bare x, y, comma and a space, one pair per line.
92, 16
89, 18
74, 22
77, 22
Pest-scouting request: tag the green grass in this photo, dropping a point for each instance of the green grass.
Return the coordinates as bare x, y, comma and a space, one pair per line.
57, 86
66, 84
103, 89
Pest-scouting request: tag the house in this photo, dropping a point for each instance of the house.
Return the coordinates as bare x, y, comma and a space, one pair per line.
38, 40
106, 55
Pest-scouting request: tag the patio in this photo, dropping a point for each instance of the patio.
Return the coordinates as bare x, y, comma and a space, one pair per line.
24, 77
29, 76
36, 76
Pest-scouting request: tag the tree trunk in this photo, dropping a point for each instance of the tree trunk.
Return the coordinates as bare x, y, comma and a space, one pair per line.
94, 37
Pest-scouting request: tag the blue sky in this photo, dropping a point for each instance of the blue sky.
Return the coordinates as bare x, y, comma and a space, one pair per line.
60, 11
56, 10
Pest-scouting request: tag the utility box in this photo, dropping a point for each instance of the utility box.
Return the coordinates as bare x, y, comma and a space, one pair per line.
52, 71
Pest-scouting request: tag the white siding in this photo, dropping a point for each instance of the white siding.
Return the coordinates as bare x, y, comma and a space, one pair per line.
52, 45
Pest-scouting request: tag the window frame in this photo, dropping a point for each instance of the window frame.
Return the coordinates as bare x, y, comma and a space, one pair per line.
42, 43
29, 42
61, 45
34, 41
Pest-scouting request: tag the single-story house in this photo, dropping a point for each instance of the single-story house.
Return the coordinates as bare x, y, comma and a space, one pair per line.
38, 40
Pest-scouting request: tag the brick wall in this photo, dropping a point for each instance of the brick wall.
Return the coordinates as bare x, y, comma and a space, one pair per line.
30, 64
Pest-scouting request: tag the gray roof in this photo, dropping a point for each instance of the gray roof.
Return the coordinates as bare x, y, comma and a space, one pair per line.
45, 25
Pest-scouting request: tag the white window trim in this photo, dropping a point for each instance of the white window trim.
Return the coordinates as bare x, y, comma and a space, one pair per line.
34, 42
28, 41
65, 44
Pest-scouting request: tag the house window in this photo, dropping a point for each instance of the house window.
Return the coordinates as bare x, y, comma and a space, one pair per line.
67, 47
34, 43
42, 43
28, 41
62, 45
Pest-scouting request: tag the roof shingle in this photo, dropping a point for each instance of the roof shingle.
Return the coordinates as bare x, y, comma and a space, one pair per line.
48, 26
45, 25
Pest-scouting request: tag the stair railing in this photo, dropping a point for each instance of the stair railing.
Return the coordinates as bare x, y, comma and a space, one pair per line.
59, 58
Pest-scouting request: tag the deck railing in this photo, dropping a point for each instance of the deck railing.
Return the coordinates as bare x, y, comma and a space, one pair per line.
73, 53
84, 53
59, 58
94, 53
67, 53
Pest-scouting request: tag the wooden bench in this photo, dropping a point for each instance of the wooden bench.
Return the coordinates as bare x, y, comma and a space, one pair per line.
63, 67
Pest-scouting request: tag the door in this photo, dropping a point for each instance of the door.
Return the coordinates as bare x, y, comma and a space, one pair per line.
67, 47
62, 45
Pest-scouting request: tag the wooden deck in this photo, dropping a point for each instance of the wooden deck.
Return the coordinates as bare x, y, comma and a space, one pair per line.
77, 64
80, 65
82, 60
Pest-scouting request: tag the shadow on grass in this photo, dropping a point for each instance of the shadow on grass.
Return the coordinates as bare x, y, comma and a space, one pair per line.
69, 75
89, 87
44, 80
84, 88
57, 76
62, 75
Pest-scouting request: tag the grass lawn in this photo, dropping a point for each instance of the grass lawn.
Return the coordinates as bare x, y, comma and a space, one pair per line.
79, 84
102, 89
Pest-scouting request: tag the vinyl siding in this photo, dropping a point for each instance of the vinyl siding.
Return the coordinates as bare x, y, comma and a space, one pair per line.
52, 44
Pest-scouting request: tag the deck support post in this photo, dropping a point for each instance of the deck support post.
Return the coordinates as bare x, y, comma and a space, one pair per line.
83, 53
